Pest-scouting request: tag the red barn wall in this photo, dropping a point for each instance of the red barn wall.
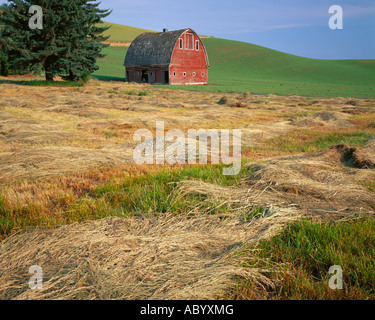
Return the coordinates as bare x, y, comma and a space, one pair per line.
188, 65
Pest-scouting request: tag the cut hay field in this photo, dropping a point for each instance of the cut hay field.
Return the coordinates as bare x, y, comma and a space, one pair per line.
73, 201
243, 67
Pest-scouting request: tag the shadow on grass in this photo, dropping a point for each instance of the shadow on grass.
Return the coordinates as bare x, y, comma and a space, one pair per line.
42, 83
108, 78
2, 81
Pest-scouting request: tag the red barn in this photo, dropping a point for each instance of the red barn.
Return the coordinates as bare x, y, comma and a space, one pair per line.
169, 57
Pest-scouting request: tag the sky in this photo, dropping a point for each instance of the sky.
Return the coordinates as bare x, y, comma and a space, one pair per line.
299, 27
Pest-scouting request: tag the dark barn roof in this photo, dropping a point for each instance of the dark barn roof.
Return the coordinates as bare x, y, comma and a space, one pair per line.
153, 48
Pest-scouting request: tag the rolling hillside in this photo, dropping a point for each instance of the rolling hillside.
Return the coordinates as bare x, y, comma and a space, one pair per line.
120, 33
240, 67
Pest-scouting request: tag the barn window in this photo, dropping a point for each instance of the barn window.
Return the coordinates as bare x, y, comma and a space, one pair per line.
202, 74
196, 44
193, 74
174, 73
181, 44
189, 42
184, 74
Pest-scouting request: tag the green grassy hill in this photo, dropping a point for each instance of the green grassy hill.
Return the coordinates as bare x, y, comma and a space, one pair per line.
120, 33
240, 67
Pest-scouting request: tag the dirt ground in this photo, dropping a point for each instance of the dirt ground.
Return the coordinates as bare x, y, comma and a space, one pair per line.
55, 132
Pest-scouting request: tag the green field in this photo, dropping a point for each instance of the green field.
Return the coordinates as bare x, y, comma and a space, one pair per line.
112, 66
120, 33
243, 67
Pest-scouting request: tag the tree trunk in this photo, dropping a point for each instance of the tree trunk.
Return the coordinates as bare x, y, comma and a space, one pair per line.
49, 74
72, 76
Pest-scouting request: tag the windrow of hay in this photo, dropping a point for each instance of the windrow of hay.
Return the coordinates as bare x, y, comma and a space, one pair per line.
164, 257
322, 119
54, 161
323, 184
235, 103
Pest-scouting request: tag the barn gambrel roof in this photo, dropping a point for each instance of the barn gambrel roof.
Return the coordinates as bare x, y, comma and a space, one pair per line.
154, 48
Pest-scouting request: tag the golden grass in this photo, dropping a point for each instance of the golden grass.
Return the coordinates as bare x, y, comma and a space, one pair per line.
58, 144
171, 257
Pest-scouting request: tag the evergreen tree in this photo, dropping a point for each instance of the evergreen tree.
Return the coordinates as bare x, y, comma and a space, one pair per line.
69, 43
6, 66
3, 55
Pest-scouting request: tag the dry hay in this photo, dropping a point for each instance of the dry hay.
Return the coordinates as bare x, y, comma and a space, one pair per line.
77, 110
353, 111
85, 118
323, 184
225, 100
320, 119
47, 161
193, 255
29, 131
246, 95
163, 257
234, 103
258, 132
362, 158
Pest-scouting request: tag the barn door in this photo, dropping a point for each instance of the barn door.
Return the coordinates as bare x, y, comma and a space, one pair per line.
144, 77
166, 77
151, 75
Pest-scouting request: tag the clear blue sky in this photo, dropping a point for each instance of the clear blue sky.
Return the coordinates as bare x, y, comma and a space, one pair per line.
295, 26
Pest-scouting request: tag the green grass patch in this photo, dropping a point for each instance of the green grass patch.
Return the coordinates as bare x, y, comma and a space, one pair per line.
131, 195
307, 250
154, 192
135, 93
42, 83
111, 67
142, 93
312, 140
370, 185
